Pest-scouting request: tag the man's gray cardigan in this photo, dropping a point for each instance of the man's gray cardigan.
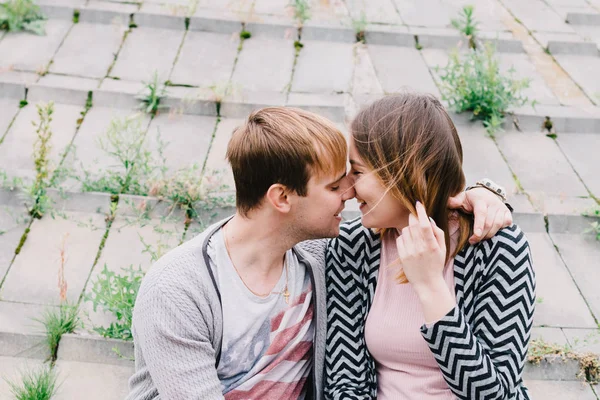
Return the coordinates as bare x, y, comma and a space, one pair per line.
178, 324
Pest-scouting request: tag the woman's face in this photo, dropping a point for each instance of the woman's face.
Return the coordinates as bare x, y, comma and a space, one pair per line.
378, 207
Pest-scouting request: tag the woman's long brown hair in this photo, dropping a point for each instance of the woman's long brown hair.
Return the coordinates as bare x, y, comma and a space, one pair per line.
411, 143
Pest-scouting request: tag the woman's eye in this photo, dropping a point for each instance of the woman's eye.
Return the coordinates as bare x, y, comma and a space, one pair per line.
335, 188
356, 172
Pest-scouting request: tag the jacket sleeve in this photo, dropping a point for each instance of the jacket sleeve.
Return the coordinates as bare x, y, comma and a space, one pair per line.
349, 368
174, 340
484, 359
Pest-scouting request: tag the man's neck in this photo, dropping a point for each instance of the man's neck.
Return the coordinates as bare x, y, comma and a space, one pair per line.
257, 246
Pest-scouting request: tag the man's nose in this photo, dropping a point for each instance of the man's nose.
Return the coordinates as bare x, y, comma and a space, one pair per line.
349, 193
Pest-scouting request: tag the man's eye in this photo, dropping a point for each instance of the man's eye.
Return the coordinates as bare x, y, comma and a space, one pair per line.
356, 172
335, 188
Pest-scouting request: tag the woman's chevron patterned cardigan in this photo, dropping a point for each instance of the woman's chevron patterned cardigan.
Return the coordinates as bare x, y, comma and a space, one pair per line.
480, 345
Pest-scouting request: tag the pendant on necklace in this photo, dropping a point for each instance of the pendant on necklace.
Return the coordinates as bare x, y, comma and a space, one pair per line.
286, 295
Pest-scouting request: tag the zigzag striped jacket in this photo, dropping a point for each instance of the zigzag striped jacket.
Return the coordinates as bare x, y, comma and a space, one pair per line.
480, 345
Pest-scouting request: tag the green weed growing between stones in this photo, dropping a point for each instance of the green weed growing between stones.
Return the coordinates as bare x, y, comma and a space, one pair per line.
41, 150
151, 96
22, 15
40, 384
116, 294
301, 10
360, 25
58, 321
473, 82
594, 226
467, 25
589, 364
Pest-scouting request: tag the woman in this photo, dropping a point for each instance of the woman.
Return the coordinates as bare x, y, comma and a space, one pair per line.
414, 310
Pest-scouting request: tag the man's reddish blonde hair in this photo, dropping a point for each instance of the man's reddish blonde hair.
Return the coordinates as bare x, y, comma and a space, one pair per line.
282, 145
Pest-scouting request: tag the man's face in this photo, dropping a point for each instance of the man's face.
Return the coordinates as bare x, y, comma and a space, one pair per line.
317, 215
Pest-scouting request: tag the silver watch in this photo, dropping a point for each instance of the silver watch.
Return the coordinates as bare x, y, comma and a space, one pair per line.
491, 186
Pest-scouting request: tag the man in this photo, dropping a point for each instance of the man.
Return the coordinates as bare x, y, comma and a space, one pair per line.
239, 311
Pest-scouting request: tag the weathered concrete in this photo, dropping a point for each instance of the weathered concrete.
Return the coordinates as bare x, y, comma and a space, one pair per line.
567, 309
21, 332
581, 150
147, 51
62, 89
109, 381
107, 12
33, 275
216, 158
88, 50
550, 390
323, 67
583, 70
12, 369
94, 349
206, 59
13, 221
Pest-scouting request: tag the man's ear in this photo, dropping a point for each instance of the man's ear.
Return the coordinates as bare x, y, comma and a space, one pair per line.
278, 196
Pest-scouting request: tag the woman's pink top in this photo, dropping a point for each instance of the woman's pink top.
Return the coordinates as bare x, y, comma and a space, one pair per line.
406, 368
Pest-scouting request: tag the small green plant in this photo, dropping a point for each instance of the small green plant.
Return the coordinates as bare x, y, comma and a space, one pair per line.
39, 384
38, 191
116, 294
473, 82
123, 141
467, 25
301, 10
21, 15
360, 25
298, 45
245, 35
76, 14
594, 226
58, 321
23, 103
151, 96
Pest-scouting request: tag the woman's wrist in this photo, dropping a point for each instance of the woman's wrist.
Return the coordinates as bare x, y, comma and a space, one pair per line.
436, 299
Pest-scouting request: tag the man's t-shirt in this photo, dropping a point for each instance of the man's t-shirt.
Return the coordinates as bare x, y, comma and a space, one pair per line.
267, 344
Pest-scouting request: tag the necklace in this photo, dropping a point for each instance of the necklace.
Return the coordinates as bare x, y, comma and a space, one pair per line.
286, 293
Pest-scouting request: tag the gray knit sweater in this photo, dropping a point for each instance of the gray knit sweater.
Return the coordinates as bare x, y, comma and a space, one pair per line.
178, 324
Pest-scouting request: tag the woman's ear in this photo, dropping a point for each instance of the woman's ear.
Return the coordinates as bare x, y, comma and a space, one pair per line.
278, 196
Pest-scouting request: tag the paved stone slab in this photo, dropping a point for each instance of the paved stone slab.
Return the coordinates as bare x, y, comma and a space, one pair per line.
88, 50
584, 340
272, 26
330, 106
79, 377
566, 43
524, 69
546, 171
552, 368
20, 334
581, 151
13, 84
239, 105
191, 101
324, 67
583, 70
549, 335
583, 18
13, 221
205, 59
62, 89
389, 35
401, 68
8, 111
33, 276
94, 349
18, 146
11, 369
537, 16
187, 139
216, 158
90, 156
567, 309
565, 214
565, 119
424, 13
378, 11
153, 15
29, 52
589, 33
117, 93
553, 390
328, 31
252, 73
365, 79
145, 51
107, 12
482, 159
211, 20
581, 254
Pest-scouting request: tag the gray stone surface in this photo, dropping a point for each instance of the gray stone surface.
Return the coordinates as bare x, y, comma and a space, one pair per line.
328, 32
552, 277
424, 13
581, 151
94, 349
8, 111
549, 335
583, 18
581, 253
145, 51
191, 101
389, 35
107, 12
563, 43
33, 275
584, 340
544, 171
62, 89
88, 50
328, 105
549, 390
482, 159
205, 59
272, 26
365, 79
158, 16
20, 334
523, 68
323, 67
400, 68
187, 139
13, 84
118, 94
241, 104
13, 221
537, 16
29, 52
565, 119
109, 381
552, 368
253, 74
378, 11
217, 21
11, 370
17, 149
216, 158
583, 70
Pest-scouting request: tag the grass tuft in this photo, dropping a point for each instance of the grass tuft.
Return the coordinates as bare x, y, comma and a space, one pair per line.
58, 321
40, 384
22, 15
